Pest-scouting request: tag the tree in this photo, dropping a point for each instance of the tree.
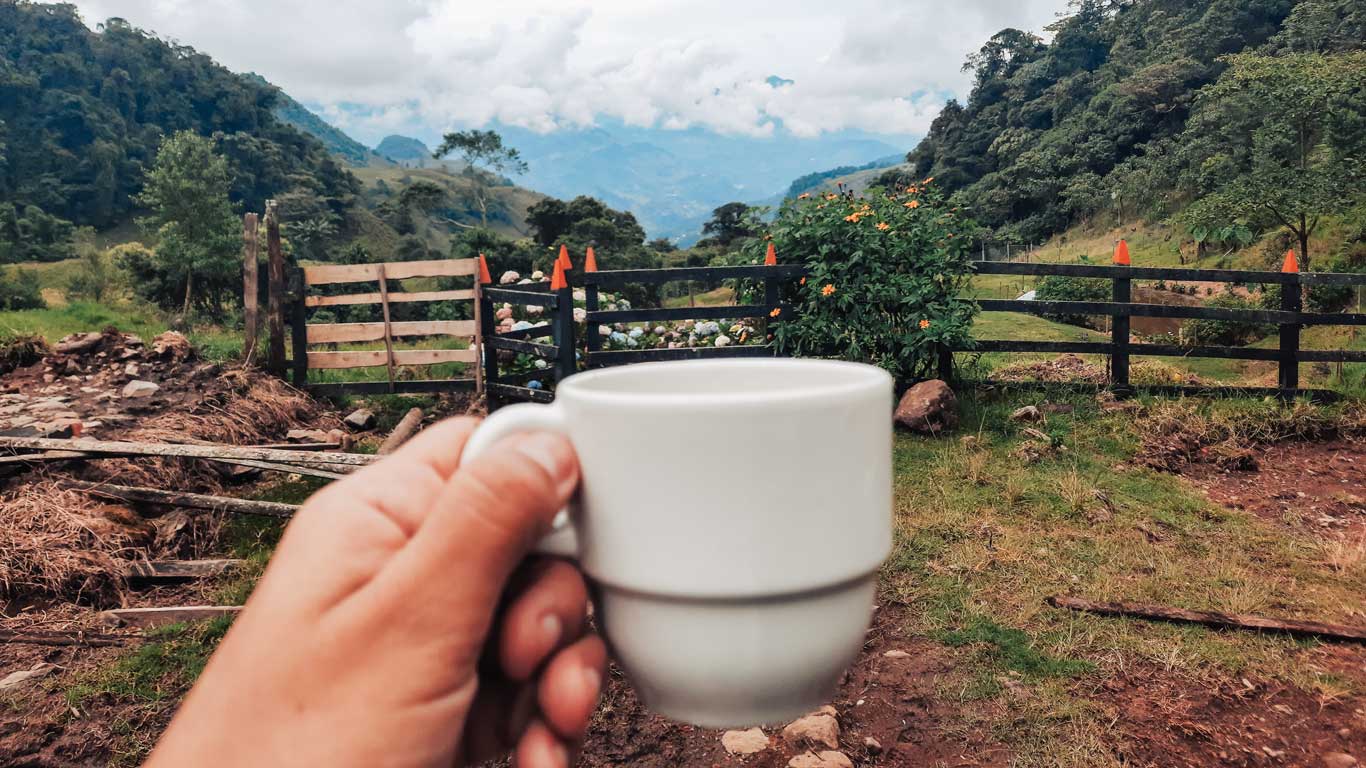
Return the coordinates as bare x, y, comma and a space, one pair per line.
732, 222
484, 153
1292, 125
186, 191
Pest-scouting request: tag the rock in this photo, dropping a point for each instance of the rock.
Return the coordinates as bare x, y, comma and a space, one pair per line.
172, 344
340, 437
131, 340
829, 759
873, 746
360, 420
16, 679
896, 655
745, 742
306, 436
503, 314
131, 370
929, 407
509, 278
1027, 413
138, 389
818, 729
77, 343
1330, 760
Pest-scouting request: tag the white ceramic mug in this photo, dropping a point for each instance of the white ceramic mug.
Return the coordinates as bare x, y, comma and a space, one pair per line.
732, 518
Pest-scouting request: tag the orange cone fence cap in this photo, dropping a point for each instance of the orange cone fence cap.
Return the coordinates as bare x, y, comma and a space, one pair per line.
1122, 254
771, 258
563, 260
590, 261
558, 281
484, 276
1291, 263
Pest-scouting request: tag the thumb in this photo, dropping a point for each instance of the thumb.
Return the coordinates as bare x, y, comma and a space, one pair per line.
488, 517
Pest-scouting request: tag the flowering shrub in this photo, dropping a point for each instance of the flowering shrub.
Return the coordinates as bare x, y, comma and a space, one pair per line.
887, 277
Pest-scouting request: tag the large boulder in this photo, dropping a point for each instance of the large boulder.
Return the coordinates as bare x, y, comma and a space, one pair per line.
929, 408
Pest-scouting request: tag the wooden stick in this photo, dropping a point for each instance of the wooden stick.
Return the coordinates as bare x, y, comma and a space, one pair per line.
388, 326
188, 500
185, 451
288, 469
160, 617
64, 638
478, 343
405, 429
1211, 618
251, 276
275, 306
175, 571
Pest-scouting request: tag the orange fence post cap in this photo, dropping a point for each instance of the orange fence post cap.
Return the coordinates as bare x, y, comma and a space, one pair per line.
771, 258
590, 261
1122, 254
563, 260
557, 280
484, 276
1291, 263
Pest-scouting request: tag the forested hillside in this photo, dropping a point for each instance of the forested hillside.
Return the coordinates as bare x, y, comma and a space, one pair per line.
82, 114
1238, 116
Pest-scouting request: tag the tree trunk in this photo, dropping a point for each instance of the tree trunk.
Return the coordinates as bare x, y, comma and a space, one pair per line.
189, 284
483, 208
1303, 234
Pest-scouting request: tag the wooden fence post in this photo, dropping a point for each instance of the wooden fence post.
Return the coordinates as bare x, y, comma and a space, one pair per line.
594, 339
276, 357
298, 321
566, 364
251, 277
488, 329
388, 326
945, 355
1119, 330
1291, 301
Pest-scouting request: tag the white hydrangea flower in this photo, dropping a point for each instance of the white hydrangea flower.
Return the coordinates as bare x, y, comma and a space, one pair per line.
580, 294
604, 330
509, 277
580, 314
542, 365
636, 333
723, 341
538, 275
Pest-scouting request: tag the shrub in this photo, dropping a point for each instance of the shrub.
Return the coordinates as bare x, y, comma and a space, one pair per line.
98, 277
20, 289
1226, 332
1062, 288
886, 276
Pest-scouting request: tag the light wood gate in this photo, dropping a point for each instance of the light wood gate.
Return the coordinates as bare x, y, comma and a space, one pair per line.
391, 334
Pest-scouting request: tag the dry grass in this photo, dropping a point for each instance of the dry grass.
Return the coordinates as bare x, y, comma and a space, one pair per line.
1346, 555
1178, 432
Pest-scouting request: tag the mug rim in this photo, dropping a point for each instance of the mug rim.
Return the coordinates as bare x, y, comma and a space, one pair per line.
858, 378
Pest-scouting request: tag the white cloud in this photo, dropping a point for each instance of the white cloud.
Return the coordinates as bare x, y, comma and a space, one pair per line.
876, 65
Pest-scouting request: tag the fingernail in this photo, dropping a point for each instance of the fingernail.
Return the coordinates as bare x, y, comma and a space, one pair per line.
551, 628
555, 455
593, 680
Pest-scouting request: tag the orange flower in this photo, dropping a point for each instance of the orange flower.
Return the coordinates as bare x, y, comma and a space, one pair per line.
913, 204
927, 181
832, 196
924, 324
803, 281
883, 226
913, 190
776, 312
804, 196
828, 290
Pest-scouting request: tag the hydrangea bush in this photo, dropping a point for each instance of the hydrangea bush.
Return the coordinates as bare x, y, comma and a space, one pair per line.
888, 278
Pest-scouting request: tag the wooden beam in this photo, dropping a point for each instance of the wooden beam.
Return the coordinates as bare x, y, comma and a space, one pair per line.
478, 343
547, 351
178, 571
148, 618
620, 277
1166, 273
379, 357
350, 333
388, 331
1211, 618
397, 298
624, 357
523, 298
734, 312
251, 278
186, 500
433, 386
333, 274
520, 393
90, 639
184, 451
404, 430
275, 359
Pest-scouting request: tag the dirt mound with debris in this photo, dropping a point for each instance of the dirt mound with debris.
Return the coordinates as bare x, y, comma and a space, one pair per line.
60, 544
1072, 369
1179, 434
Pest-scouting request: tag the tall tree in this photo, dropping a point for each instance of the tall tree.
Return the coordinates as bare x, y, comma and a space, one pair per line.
186, 190
484, 154
732, 222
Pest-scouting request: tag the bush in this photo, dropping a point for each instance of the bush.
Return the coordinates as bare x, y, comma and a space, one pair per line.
1226, 332
20, 289
887, 273
98, 277
1061, 288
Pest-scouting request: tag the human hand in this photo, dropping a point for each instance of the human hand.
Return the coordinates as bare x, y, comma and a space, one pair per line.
397, 624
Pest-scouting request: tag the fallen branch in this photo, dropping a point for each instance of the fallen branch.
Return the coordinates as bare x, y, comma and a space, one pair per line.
1211, 618
64, 638
187, 500
176, 571
405, 430
186, 451
148, 618
52, 457
292, 469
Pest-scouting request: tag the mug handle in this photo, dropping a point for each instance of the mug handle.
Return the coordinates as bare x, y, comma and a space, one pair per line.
562, 541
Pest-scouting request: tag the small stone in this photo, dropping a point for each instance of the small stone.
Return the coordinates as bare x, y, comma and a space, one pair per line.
131, 370
929, 407
818, 729
139, 389
828, 759
745, 742
48, 378
360, 420
896, 655
1339, 760
1027, 413
873, 746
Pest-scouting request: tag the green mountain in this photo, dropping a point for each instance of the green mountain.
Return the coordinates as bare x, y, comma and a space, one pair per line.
336, 141
405, 151
1133, 108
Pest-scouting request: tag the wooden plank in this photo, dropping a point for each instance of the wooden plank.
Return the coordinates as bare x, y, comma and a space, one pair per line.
1331, 356
397, 298
478, 345
1138, 310
251, 278
93, 640
184, 451
620, 277
148, 618
275, 358
624, 357
545, 351
522, 298
337, 389
733, 312
376, 358
406, 428
1166, 273
186, 500
1288, 369
350, 333
178, 571
1214, 619
334, 274
388, 332
1166, 390
1050, 347
298, 327
534, 332
1224, 353
520, 393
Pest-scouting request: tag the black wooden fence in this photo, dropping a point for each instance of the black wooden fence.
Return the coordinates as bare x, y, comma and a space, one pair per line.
564, 349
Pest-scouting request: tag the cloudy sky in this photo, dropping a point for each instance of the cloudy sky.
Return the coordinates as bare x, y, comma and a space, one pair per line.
884, 66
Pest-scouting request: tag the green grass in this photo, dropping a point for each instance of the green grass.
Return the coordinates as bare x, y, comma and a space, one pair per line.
213, 342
